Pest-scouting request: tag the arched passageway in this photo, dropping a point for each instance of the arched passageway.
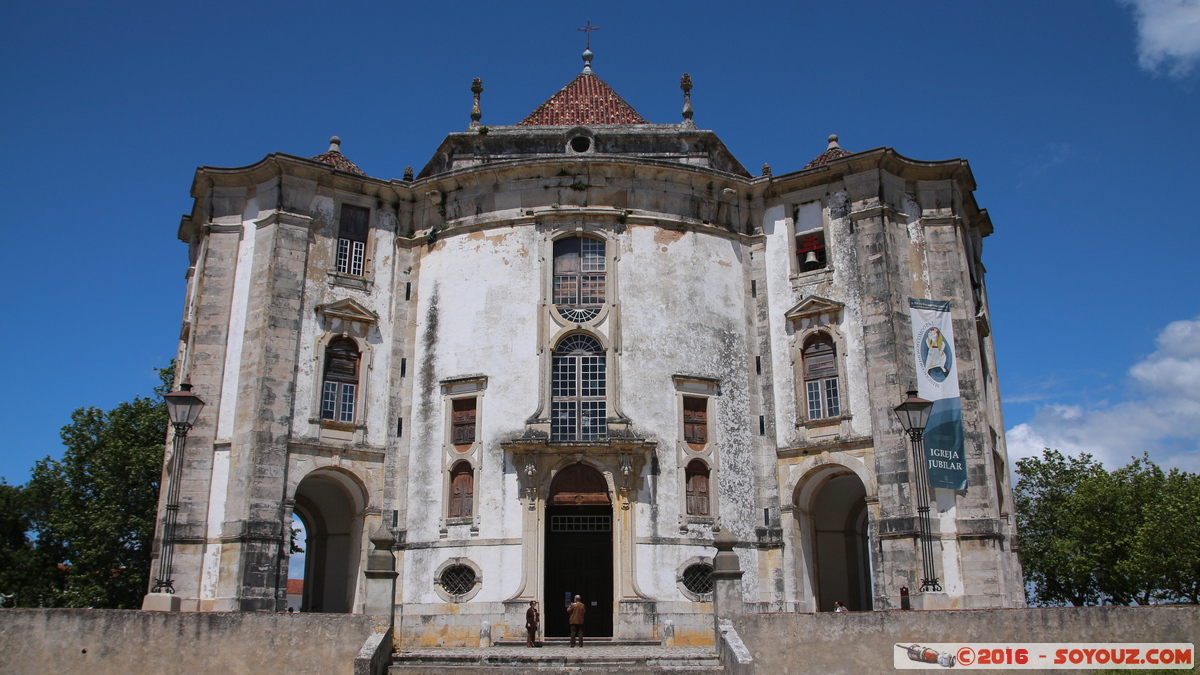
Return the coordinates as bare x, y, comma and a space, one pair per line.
837, 547
331, 505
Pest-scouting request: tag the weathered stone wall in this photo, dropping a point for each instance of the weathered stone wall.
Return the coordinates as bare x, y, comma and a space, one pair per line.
864, 642
98, 642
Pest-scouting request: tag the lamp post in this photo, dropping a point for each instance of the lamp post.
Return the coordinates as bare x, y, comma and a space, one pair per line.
913, 414
184, 408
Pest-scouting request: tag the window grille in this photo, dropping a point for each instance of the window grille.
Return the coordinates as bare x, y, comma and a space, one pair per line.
578, 387
698, 578
579, 277
458, 579
580, 523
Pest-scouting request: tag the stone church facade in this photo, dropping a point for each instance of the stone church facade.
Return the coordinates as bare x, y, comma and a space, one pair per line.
560, 358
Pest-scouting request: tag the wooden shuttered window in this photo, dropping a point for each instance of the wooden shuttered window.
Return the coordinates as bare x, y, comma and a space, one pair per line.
695, 420
820, 359
462, 490
697, 488
821, 385
340, 387
463, 421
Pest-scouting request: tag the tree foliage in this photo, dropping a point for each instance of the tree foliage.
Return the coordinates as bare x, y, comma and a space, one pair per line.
1089, 535
94, 509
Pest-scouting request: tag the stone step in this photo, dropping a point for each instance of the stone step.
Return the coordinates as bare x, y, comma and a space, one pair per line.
622, 659
591, 642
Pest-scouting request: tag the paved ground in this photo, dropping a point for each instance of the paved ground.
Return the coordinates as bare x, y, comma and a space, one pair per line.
601, 650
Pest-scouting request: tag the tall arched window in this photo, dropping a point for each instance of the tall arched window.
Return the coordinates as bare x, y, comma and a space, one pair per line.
697, 488
578, 388
821, 377
462, 490
579, 268
341, 381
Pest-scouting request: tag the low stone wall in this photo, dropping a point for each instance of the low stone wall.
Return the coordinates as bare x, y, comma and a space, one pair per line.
99, 642
864, 642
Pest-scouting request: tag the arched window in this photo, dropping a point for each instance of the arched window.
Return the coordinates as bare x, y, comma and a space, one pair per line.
579, 267
697, 488
341, 381
462, 490
578, 388
821, 377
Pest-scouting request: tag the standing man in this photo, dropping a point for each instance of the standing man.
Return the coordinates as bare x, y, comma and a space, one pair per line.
575, 612
531, 623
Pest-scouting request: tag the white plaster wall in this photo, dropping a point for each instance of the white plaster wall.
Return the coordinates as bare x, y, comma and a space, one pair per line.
682, 312
484, 291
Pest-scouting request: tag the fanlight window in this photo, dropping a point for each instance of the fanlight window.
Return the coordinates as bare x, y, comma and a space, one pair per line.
821, 378
579, 277
578, 389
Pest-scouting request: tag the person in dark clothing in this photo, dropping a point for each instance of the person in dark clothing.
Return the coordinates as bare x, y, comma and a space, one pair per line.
532, 616
575, 612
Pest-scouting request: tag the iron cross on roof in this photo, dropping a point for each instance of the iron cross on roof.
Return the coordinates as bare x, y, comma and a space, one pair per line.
588, 29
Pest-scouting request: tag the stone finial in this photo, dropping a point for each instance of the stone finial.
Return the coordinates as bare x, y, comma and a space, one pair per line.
382, 538
587, 60
685, 83
476, 111
724, 540
833, 142
335, 144
766, 171
408, 173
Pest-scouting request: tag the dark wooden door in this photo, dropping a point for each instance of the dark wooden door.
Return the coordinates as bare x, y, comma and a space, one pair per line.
579, 555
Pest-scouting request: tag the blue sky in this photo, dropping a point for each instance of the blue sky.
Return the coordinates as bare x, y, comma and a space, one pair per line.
1079, 118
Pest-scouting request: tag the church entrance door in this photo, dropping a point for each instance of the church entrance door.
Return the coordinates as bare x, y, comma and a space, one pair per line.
579, 551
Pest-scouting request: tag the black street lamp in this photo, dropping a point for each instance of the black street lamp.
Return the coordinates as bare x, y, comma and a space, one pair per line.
184, 408
913, 414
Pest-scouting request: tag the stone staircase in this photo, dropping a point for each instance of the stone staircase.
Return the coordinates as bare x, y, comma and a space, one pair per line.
598, 656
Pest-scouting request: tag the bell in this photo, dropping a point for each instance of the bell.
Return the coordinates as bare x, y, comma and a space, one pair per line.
810, 262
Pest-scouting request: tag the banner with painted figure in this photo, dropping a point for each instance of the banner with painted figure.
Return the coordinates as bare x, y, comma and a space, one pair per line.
937, 381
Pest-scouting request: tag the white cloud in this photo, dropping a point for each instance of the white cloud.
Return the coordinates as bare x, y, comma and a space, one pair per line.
1168, 35
1160, 413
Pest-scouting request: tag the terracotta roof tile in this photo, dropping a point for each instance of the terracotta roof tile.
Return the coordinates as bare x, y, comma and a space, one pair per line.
338, 161
834, 151
585, 100
295, 586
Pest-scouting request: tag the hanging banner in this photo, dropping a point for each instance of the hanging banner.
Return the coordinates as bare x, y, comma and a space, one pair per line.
937, 381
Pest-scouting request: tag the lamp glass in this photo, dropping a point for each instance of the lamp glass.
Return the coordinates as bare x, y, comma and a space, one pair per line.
183, 406
913, 413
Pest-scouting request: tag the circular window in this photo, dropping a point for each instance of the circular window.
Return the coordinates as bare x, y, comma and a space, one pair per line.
581, 143
460, 579
698, 578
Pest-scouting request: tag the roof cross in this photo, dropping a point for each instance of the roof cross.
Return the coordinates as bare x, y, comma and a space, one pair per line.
588, 29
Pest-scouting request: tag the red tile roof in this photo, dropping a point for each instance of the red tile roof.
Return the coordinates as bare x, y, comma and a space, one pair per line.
295, 587
585, 100
834, 151
338, 161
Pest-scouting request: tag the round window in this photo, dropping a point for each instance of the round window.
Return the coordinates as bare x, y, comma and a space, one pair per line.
698, 578
581, 143
458, 579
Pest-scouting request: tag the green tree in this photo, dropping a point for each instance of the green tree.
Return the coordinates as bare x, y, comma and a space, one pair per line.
1169, 539
27, 573
1055, 550
95, 508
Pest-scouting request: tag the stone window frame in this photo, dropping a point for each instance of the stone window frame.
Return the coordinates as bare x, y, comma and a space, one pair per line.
709, 389
580, 228
345, 318
811, 316
814, 196
366, 280
455, 389
682, 567
450, 597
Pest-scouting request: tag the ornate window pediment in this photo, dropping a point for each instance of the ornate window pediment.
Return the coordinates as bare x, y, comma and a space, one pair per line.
814, 311
347, 316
